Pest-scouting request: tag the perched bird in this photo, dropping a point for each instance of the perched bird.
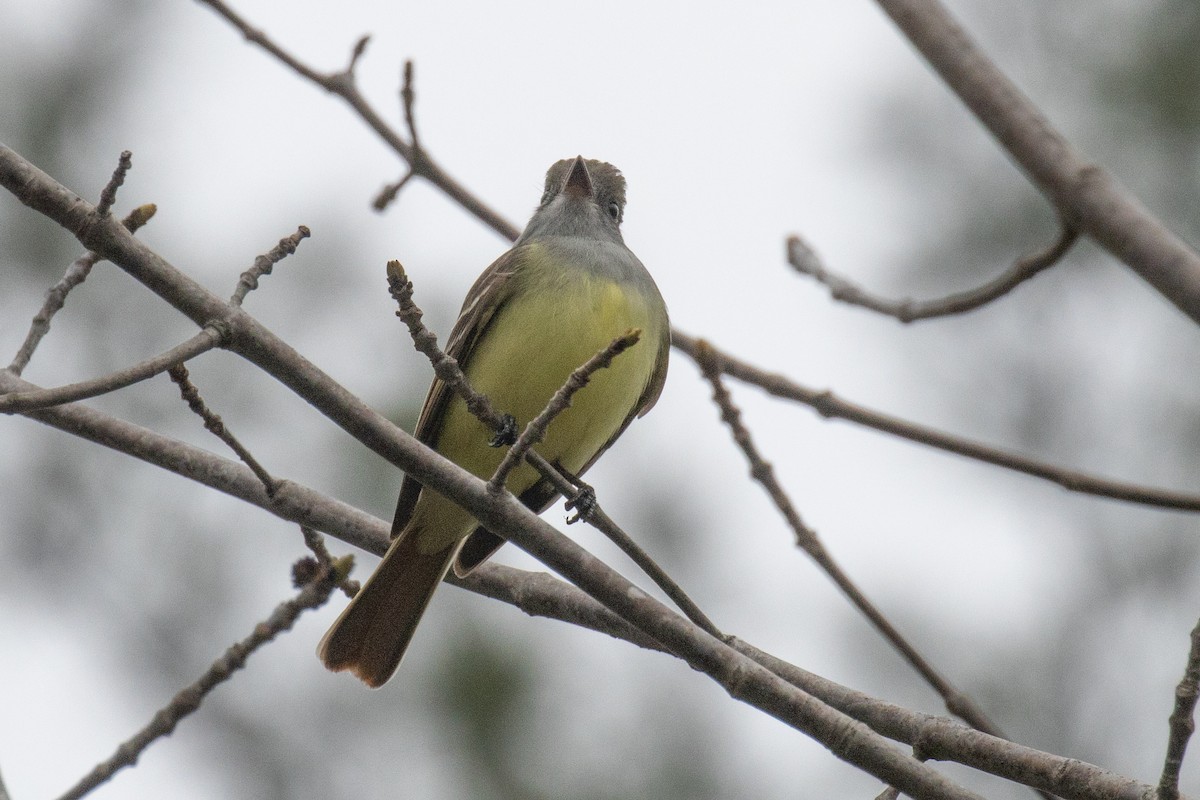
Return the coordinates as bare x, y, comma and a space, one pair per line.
565, 290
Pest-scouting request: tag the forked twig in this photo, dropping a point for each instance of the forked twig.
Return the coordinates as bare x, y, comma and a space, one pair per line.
57, 296
343, 85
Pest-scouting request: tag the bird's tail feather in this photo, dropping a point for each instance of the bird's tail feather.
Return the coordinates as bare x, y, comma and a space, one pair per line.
371, 635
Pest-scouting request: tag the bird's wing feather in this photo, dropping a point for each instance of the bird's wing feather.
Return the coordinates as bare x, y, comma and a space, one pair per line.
489, 293
482, 543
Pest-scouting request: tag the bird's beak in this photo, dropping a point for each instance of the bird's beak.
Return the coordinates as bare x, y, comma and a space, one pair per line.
579, 181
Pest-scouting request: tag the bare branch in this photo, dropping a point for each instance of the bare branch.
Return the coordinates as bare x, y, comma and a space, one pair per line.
108, 195
389, 193
502, 515
214, 425
425, 340
303, 573
248, 281
76, 274
805, 261
830, 406
408, 97
202, 342
535, 431
1183, 723
1086, 196
957, 702
539, 594
336, 83
312, 595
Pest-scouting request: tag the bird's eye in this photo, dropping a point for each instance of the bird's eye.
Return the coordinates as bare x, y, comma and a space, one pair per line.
614, 210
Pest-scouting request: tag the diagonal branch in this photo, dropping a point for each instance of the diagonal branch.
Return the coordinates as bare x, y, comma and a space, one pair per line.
535, 431
1086, 196
957, 702
744, 679
539, 594
830, 406
216, 426
762, 471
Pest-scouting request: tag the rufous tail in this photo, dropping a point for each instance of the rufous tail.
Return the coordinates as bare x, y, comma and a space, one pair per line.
371, 635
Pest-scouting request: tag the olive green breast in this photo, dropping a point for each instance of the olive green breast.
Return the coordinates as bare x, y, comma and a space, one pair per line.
564, 306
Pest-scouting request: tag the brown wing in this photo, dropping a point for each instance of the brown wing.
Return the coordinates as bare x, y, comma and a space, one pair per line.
489, 292
482, 543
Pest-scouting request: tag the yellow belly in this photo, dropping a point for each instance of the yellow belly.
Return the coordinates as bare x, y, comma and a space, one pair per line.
528, 352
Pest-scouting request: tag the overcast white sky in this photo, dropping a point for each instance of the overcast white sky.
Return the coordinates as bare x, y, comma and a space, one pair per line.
733, 127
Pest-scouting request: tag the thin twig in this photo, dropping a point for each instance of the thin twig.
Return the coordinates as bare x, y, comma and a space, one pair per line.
263, 264
408, 97
830, 406
55, 298
304, 570
108, 195
805, 261
389, 193
1182, 722
214, 425
956, 701
425, 340
19, 402
342, 85
535, 431
447, 370
313, 595
3, 789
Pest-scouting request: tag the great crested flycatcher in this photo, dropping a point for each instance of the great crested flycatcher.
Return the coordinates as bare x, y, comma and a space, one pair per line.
565, 290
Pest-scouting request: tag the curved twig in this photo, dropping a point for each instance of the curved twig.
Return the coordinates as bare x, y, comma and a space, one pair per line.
805, 261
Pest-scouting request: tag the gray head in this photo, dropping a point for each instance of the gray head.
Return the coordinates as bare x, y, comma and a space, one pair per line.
583, 197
